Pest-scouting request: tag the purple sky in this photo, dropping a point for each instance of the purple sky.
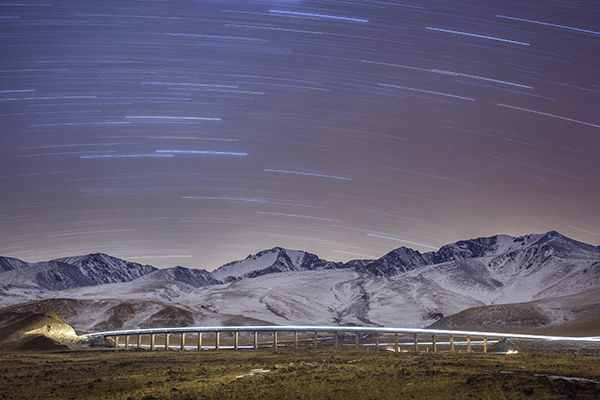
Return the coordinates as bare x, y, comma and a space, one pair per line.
197, 132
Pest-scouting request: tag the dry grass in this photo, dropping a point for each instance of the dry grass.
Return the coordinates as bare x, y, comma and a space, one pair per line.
309, 374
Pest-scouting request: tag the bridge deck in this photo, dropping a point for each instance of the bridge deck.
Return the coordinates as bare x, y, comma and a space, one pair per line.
315, 336
340, 329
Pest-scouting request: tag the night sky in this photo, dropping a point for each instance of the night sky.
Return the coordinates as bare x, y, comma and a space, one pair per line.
196, 132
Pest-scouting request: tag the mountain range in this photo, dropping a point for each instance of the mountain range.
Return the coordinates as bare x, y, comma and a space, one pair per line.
543, 281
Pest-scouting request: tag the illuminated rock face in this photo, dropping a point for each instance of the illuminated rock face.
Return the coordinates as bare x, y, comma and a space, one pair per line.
18, 327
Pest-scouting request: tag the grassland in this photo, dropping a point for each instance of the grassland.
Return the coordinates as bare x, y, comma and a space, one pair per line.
310, 374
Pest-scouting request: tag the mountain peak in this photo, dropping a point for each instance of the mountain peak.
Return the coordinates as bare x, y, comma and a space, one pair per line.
10, 264
552, 235
276, 259
190, 276
397, 261
103, 268
276, 249
564, 244
472, 248
98, 256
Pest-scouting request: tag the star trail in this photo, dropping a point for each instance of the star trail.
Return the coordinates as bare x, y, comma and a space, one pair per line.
198, 132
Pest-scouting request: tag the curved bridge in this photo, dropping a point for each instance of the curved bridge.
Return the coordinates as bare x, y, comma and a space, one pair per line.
295, 336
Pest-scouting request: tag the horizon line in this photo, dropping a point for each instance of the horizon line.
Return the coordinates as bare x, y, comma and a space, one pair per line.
260, 250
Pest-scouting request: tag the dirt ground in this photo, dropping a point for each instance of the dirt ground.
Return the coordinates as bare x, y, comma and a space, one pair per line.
316, 374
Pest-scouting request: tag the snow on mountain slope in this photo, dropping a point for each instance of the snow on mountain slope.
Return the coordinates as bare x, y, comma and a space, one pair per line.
33, 279
396, 262
10, 264
535, 253
164, 285
404, 287
50, 275
250, 264
338, 296
332, 296
269, 261
168, 291
308, 297
298, 297
193, 277
552, 265
480, 247
412, 302
57, 278
101, 268
577, 314
466, 277
502, 269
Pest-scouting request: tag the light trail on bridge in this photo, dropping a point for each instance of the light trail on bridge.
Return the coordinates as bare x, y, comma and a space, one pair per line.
340, 333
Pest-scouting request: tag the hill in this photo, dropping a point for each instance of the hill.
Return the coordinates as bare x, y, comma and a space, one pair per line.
34, 331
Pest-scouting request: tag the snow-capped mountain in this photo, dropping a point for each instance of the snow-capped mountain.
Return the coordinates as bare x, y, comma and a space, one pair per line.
189, 276
480, 247
101, 268
35, 280
404, 287
577, 314
270, 261
48, 275
10, 264
396, 262
65, 273
502, 269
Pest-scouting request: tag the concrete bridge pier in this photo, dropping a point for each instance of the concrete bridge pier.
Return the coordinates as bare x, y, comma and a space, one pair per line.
416, 343
458, 341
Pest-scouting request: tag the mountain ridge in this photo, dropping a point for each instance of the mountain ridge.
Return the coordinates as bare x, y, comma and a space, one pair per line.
281, 286
102, 268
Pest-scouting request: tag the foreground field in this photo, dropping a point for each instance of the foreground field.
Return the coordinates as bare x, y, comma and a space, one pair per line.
306, 375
